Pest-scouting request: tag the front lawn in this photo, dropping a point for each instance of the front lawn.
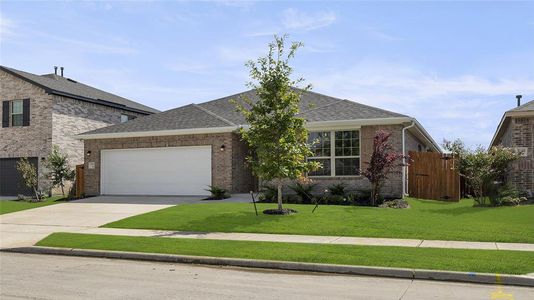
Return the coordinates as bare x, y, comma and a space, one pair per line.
426, 219
8, 206
486, 261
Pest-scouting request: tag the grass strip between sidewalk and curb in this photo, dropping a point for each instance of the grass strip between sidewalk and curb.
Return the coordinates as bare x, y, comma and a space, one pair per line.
463, 260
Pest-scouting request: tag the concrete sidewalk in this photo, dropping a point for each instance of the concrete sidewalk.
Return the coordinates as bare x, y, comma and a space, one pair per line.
313, 239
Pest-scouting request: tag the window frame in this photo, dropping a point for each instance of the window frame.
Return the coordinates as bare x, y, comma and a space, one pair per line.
333, 156
11, 113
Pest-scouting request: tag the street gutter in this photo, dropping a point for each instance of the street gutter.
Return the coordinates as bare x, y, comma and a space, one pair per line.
471, 277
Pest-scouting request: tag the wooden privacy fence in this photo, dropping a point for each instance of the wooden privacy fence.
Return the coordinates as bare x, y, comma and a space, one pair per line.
433, 176
79, 181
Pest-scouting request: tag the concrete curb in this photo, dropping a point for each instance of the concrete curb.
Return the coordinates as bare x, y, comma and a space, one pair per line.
484, 278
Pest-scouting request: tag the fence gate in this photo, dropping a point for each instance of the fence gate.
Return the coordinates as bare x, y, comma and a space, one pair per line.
433, 176
79, 181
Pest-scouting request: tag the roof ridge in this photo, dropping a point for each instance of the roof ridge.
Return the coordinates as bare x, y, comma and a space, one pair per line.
213, 114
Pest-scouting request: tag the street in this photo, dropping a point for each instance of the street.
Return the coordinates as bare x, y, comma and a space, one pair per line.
26, 276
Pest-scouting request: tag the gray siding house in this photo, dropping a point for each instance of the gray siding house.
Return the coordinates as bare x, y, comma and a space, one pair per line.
516, 130
39, 111
183, 150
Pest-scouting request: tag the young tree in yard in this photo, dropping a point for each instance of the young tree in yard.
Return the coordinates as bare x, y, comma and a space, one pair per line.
276, 135
29, 175
58, 165
383, 162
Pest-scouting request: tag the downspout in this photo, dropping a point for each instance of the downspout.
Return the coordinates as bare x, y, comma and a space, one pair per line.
404, 174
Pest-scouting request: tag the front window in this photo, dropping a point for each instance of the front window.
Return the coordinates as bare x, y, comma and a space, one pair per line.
16, 113
337, 151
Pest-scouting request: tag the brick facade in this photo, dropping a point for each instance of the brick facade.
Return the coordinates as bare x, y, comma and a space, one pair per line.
27, 141
393, 186
71, 117
519, 133
54, 120
228, 167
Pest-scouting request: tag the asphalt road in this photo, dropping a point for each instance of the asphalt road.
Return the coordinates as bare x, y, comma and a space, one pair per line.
24, 276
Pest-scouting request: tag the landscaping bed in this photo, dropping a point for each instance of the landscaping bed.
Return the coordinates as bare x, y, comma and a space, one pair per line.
9, 206
425, 219
486, 261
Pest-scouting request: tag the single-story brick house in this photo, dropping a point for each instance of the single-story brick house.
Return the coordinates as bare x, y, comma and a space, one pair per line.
183, 150
516, 130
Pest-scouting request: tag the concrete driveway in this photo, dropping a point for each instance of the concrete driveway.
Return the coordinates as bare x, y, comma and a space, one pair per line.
25, 228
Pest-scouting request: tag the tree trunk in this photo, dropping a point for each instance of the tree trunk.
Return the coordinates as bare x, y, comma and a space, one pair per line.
62, 190
36, 194
279, 195
374, 193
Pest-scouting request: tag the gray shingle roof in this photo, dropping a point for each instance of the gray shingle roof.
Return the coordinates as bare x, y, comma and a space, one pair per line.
65, 86
529, 106
185, 117
222, 113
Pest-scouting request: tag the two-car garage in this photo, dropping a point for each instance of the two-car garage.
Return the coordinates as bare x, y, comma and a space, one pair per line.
156, 171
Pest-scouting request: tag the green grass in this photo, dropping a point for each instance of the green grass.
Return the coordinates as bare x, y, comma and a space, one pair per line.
426, 219
486, 261
9, 206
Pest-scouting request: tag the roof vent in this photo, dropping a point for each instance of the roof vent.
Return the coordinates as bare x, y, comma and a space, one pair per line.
55, 70
519, 99
61, 68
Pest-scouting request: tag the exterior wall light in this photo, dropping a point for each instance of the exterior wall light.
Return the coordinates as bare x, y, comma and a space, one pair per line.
88, 153
223, 147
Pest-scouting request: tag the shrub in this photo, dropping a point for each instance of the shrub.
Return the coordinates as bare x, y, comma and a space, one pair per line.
383, 162
397, 203
60, 172
338, 189
304, 191
217, 193
268, 194
29, 175
21, 197
511, 201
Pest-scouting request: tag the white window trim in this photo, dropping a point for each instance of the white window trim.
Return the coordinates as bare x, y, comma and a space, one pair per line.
333, 156
11, 113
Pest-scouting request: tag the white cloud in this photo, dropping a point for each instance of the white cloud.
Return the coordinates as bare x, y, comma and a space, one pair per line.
298, 20
7, 27
466, 106
96, 47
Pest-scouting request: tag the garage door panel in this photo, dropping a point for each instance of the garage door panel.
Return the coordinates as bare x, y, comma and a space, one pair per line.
156, 171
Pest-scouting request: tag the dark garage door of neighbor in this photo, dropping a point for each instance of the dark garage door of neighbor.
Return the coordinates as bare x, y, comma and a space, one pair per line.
11, 183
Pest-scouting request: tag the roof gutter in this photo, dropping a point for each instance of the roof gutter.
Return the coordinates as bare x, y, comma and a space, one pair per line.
355, 123
116, 135
404, 173
99, 101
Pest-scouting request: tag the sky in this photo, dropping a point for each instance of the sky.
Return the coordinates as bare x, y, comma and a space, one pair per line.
455, 66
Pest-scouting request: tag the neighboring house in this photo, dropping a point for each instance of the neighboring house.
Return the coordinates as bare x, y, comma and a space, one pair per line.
181, 151
516, 131
39, 111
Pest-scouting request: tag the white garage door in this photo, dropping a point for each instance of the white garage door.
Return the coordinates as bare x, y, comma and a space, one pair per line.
156, 171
